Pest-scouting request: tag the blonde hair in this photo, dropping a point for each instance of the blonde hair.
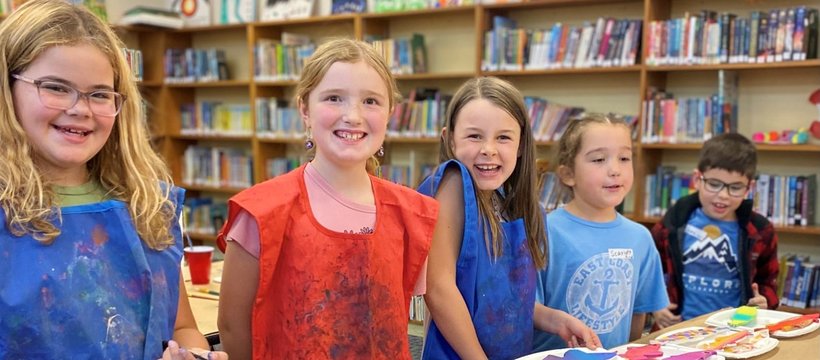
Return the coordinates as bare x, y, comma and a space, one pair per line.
570, 143
521, 200
126, 166
347, 51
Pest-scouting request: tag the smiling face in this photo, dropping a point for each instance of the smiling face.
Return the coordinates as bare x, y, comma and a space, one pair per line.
721, 205
602, 172
347, 114
486, 140
65, 140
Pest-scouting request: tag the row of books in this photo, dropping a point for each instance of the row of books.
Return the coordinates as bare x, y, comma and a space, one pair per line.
134, 59
687, 119
195, 65
548, 120
417, 308
798, 282
787, 34
276, 119
420, 115
215, 166
404, 55
664, 188
282, 59
204, 215
784, 200
609, 42
215, 118
280, 166
552, 193
407, 175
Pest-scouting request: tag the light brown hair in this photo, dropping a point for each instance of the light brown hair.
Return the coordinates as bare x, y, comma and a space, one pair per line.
126, 166
521, 200
347, 51
570, 143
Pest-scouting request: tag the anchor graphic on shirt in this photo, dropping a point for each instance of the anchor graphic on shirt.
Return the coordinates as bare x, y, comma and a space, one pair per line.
601, 308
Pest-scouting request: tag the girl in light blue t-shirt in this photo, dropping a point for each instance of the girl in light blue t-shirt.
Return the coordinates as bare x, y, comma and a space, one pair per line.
603, 268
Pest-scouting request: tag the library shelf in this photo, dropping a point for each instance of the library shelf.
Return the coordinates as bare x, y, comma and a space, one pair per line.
736, 66
580, 71
540, 4
214, 137
208, 84
459, 58
810, 148
435, 76
275, 83
280, 140
149, 83
412, 140
420, 12
209, 28
316, 20
212, 189
780, 229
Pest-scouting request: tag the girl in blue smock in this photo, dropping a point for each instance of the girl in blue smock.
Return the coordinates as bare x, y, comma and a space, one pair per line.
90, 246
489, 239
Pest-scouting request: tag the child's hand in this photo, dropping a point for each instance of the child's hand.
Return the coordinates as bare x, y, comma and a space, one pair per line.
175, 352
665, 317
578, 334
757, 299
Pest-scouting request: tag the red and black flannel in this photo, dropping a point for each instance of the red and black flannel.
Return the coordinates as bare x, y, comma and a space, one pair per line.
757, 244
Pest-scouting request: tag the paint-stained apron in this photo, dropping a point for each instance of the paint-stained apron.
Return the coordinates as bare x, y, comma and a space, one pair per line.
500, 293
96, 292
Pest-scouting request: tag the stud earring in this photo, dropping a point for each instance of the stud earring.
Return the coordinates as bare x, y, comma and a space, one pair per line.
380, 153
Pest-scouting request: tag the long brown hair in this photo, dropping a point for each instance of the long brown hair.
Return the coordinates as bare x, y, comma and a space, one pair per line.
126, 166
521, 195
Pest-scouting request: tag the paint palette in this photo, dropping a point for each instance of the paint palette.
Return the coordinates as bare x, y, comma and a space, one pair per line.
727, 342
667, 352
690, 335
573, 354
764, 317
751, 345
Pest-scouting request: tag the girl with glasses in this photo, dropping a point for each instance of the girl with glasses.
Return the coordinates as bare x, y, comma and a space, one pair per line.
89, 221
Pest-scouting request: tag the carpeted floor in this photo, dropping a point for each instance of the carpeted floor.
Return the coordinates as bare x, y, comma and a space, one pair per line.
415, 346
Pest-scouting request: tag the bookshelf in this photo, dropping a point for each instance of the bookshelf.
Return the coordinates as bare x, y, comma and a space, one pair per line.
772, 96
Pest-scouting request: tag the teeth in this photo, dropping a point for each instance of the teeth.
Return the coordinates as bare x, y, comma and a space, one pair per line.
72, 131
351, 136
487, 167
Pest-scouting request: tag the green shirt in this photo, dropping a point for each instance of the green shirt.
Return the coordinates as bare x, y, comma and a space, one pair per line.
90, 192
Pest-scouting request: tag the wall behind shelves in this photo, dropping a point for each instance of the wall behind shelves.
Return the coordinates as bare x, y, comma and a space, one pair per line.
544, 18
453, 32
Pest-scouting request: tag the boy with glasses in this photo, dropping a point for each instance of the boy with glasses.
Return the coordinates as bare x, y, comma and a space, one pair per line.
716, 252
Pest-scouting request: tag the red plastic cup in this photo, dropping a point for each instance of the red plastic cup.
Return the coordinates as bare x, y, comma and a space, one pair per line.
199, 263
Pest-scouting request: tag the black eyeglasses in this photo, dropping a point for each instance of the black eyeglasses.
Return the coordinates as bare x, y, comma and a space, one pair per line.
59, 96
715, 186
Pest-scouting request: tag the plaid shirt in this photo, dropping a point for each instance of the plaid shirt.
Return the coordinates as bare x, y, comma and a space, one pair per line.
757, 243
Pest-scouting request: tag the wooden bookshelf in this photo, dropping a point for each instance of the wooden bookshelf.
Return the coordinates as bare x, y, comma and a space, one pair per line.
455, 49
810, 148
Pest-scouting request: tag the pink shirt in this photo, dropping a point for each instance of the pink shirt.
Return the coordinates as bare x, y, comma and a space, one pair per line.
329, 207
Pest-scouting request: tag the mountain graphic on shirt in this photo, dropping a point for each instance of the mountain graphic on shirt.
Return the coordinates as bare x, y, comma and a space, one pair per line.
717, 249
